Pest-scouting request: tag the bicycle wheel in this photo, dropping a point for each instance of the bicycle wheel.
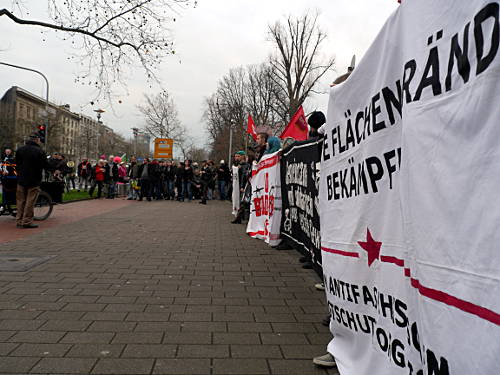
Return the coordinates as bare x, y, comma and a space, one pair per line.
43, 206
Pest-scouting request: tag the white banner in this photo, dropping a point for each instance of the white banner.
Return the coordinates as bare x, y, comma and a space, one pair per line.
265, 213
409, 194
236, 190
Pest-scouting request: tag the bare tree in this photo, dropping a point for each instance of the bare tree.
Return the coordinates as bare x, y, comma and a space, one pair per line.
243, 91
161, 117
109, 35
296, 64
186, 144
261, 97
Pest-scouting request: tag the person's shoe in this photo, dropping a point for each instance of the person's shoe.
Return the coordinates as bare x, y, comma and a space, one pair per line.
129, 198
19, 225
284, 245
303, 259
203, 202
236, 221
307, 265
326, 360
30, 225
149, 199
326, 321
319, 286
140, 199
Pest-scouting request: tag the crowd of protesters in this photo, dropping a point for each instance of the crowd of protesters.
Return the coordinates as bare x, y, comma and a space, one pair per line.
151, 179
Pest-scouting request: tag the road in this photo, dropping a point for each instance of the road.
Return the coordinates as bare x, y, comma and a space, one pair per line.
154, 288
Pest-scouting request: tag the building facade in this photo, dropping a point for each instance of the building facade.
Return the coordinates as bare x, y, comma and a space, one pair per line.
74, 135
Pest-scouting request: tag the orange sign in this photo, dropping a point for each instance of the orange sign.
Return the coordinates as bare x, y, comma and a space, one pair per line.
163, 148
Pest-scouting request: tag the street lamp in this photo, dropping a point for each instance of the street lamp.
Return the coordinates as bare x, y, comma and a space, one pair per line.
46, 98
135, 132
99, 111
229, 158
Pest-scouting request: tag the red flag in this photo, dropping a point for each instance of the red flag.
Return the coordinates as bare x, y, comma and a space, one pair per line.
251, 128
297, 128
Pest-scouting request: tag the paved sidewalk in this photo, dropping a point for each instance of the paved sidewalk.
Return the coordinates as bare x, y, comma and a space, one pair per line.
158, 288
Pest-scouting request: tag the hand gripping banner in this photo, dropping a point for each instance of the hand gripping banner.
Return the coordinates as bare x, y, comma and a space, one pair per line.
409, 196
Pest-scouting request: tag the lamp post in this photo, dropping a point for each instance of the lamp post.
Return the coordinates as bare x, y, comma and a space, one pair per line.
46, 98
135, 132
230, 150
99, 111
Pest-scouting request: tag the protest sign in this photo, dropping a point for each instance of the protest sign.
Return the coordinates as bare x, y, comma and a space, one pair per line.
265, 213
409, 196
236, 190
299, 194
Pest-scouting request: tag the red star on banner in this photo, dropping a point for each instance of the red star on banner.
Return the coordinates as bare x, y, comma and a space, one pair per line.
371, 246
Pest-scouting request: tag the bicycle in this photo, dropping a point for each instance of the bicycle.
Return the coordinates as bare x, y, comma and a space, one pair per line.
42, 209
43, 206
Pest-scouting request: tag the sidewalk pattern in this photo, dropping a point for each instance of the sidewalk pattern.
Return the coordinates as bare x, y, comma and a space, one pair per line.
159, 288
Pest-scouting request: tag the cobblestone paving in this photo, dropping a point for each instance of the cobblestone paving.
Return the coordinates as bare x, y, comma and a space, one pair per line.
159, 288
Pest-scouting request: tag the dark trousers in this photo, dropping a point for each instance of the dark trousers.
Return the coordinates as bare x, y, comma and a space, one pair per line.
222, 190
178, 185
99, 188
187, 191
25, 203
158, 189
204, 192
169, 189
145, 189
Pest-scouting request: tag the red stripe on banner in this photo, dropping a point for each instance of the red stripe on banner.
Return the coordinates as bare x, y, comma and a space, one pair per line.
434, 294
394, 260
447, 299
253, 234
340, 252
267, 163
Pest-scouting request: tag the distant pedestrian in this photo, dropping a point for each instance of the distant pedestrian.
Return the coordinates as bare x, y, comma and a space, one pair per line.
145, 180
99, 176
169, 174
187, 181
84, 171
112, 175
222, 179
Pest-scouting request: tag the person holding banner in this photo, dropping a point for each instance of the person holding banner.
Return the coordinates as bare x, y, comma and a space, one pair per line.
261, 145
246, 191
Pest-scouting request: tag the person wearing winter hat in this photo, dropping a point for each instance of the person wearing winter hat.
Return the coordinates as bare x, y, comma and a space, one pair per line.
315, 121
222, 179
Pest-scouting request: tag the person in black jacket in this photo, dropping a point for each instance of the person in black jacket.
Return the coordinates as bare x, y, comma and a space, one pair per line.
112, 176
206, 176
8, 178
31, 160
169, 179
187, 180
154, 173
178, 181
223, 178
144, 180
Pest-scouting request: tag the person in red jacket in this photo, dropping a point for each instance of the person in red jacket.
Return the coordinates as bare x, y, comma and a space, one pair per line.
99, 173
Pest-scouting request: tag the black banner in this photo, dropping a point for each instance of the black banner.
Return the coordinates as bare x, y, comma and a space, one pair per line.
300, 165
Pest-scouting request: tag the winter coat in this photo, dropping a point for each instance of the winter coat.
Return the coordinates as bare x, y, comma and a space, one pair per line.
84, 169
31, 160
111, 172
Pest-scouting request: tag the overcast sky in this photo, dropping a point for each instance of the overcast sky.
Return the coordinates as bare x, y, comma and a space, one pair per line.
210, 39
